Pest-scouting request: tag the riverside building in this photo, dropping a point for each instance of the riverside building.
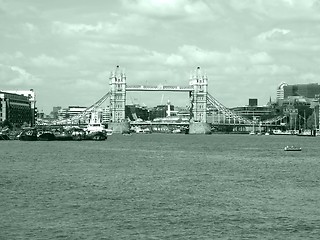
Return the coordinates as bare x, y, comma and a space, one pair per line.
16, 108
309, 90
253, 111
31, 96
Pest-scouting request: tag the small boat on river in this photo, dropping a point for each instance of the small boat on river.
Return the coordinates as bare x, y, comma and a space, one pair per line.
292, 148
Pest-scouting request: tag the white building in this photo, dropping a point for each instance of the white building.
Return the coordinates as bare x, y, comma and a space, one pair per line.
280, 91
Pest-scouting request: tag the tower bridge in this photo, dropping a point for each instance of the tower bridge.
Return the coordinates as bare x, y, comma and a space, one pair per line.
204, 108
197, 90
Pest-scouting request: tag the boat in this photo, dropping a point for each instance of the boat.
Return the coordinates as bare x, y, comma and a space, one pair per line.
288, 133
109, 132
78, 134
292, 148
95, 130
45, 135
4, 136
28, 134
63, 135
142, 130
310, 133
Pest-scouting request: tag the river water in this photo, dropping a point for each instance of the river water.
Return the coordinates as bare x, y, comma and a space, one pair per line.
161, 186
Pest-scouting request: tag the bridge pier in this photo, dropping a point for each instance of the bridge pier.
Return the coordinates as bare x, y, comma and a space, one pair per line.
199, 128
119, 127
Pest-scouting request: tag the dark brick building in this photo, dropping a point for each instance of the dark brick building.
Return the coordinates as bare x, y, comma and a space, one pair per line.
15, 108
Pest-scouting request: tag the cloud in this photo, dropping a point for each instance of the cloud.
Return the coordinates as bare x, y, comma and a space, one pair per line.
30, 27
80, 28
309, 77
260, 58
285, 39
17, 76
273, 35
45, 61
204, 56
115, 28
175, 60
14, 57
168, 10
279, 9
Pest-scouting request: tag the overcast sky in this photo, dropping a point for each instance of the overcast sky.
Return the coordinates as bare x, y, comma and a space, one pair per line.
66, 49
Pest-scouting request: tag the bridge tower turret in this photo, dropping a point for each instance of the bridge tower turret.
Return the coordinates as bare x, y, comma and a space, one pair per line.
118, 95
198, 96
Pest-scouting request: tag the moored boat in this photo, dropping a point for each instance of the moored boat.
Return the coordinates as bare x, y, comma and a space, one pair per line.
97, 136
310, 133
288, 132
78, 134
95, 130
46, 136
63, 135
4, 136
28, 134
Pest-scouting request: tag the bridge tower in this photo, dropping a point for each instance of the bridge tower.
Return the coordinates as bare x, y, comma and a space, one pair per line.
198, 96
118, 95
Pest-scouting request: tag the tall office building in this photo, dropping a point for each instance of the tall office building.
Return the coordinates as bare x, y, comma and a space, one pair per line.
309, 90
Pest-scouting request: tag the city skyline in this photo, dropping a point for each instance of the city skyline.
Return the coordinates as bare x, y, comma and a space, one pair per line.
65, 50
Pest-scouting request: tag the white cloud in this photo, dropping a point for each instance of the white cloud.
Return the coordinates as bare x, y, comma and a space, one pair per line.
234, 56
30, 27
279, 9
44, 60
68, 28
260, 58
274, 34
167, 9
309, 77
13, 57
259, 70
288, 40
17, 76
127, 25
174, 60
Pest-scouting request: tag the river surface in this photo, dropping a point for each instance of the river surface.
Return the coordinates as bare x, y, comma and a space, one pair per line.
161, 186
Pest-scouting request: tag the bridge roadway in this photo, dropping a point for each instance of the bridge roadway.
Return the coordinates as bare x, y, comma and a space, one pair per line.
149, 123
139, 88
